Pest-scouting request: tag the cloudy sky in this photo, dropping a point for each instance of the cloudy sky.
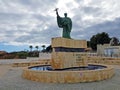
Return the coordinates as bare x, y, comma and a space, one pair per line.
33, 22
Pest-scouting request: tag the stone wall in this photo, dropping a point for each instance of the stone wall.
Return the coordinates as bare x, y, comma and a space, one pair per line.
44, 55
104, 60
26, 64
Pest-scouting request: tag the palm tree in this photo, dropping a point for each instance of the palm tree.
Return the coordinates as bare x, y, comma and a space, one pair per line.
43, 46
31, 47
37, 47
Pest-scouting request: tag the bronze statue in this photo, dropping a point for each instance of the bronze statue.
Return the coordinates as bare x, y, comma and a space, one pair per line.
65, 23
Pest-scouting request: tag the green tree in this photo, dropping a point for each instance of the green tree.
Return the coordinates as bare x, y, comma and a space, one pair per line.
88, 43
49, 48
31, 47
22, 54
100, 38
93, 42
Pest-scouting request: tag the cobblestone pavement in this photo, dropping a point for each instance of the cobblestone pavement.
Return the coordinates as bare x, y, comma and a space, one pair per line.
12, 80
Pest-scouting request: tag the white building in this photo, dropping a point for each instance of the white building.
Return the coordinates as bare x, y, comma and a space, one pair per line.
107, 50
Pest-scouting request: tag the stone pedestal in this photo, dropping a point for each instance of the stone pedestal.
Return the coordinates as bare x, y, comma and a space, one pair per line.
68, 53
68, 43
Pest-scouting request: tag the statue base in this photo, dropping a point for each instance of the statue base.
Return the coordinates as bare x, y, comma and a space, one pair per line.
68, 53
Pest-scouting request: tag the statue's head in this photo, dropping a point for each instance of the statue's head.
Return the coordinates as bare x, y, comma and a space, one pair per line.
65, 14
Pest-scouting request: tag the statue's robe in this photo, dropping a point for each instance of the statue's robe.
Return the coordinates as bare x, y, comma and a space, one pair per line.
66, 24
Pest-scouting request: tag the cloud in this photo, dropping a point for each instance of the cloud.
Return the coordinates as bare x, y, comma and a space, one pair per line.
25, 22
111, 27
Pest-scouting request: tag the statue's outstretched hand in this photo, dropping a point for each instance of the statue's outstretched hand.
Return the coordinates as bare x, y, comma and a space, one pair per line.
56, 11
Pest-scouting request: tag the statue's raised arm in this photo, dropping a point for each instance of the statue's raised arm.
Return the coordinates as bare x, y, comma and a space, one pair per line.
65, 23
56, 11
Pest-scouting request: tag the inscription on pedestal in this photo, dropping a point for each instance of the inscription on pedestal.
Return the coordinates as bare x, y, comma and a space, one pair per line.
80, 58
68, 59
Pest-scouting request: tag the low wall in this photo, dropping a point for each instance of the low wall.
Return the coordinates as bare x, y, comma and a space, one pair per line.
25, 64
93, 59
104, 60
44, 55
68, 76
11, 61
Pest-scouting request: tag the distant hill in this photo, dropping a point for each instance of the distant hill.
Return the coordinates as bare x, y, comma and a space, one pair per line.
12, 55
18, 55
6, 55
3, 52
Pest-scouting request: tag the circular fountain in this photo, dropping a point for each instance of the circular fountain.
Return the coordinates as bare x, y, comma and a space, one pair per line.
68, 65
45, 73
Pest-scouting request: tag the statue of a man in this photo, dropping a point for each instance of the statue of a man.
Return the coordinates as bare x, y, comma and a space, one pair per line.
65, 23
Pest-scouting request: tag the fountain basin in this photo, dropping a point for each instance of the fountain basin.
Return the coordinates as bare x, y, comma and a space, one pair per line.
49, 68
44, 73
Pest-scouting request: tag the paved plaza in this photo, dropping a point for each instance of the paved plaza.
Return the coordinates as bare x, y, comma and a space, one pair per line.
10, 79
